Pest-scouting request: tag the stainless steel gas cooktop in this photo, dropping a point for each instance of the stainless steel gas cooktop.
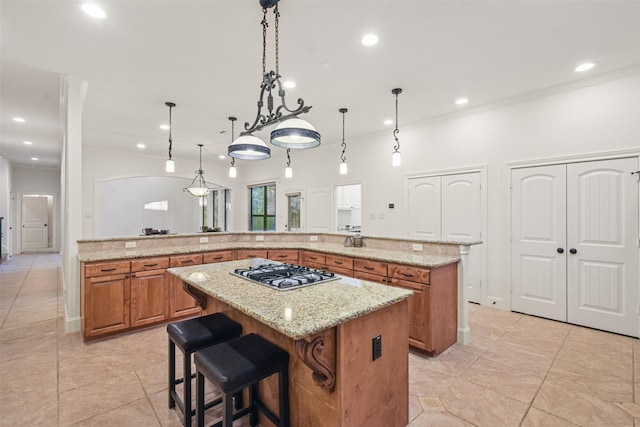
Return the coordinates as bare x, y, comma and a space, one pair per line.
285, 276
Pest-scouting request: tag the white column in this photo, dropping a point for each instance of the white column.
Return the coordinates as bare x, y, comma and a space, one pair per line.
72, 95
464, 332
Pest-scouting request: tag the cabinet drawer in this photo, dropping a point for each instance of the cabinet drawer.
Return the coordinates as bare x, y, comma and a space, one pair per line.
284, 255
313, 257
251, 253
106, 268
370, 277
184, 260
220, 256
341, 271
406, 272
149, 264
372, 267
339, 262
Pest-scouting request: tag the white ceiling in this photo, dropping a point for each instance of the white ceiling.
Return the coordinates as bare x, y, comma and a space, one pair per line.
206, 57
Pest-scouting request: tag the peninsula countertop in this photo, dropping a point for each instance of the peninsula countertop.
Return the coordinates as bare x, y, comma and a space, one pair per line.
296, 313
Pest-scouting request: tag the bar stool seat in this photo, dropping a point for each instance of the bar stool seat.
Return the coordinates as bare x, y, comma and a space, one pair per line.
237, 364
189, 336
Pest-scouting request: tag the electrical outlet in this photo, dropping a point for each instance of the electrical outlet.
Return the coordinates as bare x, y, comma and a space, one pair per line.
259, 238
416, 246
313, 238
204, 240
128, 245
376, 347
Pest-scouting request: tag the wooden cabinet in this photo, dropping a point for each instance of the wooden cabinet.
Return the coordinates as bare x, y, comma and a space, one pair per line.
149, 291
313, 259
251, 253
105, 298
218, 256
339, 264
180, 302
284, 255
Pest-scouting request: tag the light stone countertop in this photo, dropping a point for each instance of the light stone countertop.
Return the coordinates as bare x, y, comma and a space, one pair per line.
383, 255
296, 313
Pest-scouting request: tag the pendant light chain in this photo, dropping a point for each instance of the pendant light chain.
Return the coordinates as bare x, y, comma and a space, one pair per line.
233, 127
344, 145
277, 15
396, 131
265, 24
288, 157
170, 127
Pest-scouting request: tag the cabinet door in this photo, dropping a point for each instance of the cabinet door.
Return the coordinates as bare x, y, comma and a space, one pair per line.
312, 258
370, 277
107, 300
149, 297
218, 256
419, 315
181, 303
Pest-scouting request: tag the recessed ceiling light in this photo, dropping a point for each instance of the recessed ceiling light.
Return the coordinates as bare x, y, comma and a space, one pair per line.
19, 119
222, 157
28, 143
34, 159
93, 10
461, 101
584, 67
164, 127
289, 84
370, 40
388, 122
141, 146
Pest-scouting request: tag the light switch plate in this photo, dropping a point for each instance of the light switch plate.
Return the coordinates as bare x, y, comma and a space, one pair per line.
128, 245
416, 246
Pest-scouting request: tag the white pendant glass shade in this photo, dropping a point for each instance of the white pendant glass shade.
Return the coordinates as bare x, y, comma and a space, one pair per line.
288, 172
249, 147
295, 133
343, 168
170, 166
232, 172
396, 159
198, 191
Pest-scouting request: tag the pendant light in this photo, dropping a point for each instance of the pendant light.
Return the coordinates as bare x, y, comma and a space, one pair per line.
396, 159
198, 186
170, 165
232, 169
291, 132
343, 163
288, 171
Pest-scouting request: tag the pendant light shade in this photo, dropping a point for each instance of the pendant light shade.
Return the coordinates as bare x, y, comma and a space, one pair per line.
249, 147
232, 171
343, 168
295, 133
288, 171
198, 186
170, 165
396, 158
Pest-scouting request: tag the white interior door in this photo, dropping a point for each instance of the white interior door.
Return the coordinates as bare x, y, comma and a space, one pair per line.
320, 209
602, 227
35, 232
538, 241
461, 221
425, 207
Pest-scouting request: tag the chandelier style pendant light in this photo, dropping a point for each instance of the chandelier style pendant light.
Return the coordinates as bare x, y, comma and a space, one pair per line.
343, 163
288, 171
232, 169
198, 186
170, 165
292, 132
396, 159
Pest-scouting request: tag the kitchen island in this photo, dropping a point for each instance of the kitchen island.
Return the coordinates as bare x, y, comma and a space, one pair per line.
329, 330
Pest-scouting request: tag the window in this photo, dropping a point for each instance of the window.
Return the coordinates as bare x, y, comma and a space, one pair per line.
263, 208
293, 209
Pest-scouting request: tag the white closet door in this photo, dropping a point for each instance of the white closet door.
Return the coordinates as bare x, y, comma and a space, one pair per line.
602, 205
320, 209
35, 234
461, 210
425, 208
538, 220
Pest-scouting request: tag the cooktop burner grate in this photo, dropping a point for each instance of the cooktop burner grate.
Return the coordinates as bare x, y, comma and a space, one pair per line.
285, 276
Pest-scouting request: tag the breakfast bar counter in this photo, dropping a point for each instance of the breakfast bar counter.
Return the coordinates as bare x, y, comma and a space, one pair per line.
338, 377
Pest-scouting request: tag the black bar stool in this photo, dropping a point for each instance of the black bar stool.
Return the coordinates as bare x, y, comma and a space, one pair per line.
192, 335
237, 364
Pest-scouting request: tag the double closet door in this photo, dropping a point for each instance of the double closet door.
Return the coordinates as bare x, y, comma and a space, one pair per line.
574, 243
448, 207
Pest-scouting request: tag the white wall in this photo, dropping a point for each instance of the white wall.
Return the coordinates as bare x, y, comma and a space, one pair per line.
5, 205
594, 119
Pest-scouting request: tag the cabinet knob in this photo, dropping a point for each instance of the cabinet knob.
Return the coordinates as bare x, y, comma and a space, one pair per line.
573, 251
560, 250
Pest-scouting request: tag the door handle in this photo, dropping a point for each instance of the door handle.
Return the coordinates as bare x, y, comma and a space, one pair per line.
560, 250
573, 251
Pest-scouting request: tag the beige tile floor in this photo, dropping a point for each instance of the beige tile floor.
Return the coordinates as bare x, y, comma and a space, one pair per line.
518, 371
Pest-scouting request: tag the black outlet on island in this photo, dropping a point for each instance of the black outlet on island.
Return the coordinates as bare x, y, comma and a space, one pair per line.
376, 346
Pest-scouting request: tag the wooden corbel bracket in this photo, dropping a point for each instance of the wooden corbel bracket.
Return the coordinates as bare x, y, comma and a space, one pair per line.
320, 357
198, 296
